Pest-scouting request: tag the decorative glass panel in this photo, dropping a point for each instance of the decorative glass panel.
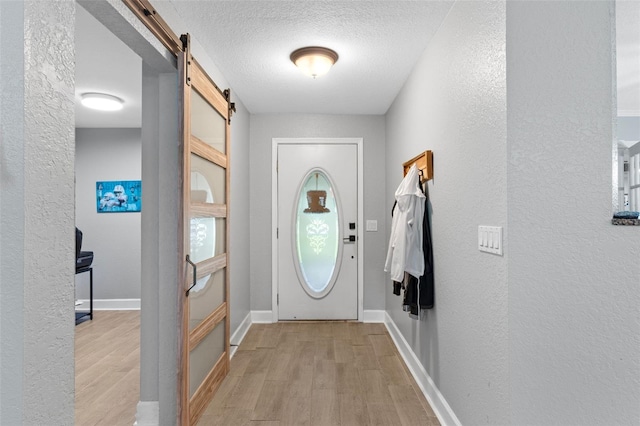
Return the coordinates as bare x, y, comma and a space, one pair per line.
317, 234
204, 356
208, 185
206, 124
202, 238
207, 238
205, 297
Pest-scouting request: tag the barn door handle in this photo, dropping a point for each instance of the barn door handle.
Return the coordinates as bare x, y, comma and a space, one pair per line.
195, 273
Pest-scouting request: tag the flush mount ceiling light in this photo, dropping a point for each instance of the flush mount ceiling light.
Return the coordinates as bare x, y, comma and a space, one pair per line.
314, 61
101, 101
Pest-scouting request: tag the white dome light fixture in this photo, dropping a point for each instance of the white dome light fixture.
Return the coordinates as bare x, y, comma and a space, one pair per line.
101, 101
314, 61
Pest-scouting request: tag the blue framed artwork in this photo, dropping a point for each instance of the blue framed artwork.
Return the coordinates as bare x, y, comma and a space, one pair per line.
119, 196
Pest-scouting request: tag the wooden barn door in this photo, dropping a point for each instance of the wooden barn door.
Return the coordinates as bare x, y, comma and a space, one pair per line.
205, 225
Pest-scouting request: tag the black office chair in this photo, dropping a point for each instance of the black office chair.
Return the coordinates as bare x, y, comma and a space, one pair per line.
83, 258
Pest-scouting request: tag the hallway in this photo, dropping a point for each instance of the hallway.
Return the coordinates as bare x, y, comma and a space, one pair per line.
318, 373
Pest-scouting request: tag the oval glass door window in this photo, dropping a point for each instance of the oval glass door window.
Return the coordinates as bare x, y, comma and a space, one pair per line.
317, 234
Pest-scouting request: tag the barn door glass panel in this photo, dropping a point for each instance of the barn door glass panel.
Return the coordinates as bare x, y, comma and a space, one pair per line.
208, 238
206, 124
208, 181
317, 234
204, 357
209, 291
207, 233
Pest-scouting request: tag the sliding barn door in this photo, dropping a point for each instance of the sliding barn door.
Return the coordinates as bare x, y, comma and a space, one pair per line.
205, 224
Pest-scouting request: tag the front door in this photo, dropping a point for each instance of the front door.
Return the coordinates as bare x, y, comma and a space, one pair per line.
317, 231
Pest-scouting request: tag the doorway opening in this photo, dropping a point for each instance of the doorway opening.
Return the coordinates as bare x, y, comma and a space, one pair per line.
108, 167
143, 150
185, 138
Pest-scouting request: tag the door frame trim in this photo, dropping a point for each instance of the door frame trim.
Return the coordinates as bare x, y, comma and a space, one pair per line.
275, 142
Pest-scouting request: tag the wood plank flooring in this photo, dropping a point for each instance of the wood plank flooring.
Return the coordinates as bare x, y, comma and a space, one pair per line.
318, 373
289, 373
107, 359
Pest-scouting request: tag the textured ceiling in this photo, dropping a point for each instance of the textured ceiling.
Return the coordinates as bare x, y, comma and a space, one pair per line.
250, 41
378, 43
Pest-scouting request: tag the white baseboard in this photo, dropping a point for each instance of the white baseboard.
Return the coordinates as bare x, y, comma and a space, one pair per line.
373, 316
261, 317
266, 317
238, 335
147, 413
110, 305
242, 329
440, 406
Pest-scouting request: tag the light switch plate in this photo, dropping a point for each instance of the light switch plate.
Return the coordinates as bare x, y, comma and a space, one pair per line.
490, 239
372, 225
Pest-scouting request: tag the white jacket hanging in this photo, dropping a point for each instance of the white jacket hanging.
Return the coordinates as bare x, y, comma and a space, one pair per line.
405, 244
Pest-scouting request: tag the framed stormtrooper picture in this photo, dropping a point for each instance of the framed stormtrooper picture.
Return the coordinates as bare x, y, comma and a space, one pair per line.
119, 196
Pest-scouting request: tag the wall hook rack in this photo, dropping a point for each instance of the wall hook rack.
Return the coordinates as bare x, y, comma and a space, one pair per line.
424, 163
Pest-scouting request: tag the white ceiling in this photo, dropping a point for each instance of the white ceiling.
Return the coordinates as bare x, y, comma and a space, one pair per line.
105, 64
378, 42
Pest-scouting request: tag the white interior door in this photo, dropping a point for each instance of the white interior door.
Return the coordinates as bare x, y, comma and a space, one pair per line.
317, 231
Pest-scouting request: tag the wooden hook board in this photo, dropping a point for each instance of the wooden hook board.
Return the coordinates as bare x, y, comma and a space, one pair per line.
424, 163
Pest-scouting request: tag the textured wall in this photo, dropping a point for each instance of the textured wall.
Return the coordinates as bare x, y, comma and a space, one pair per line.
37, 218
49, 191
573, 277
454, 103
104, 155
12, 225
266, 127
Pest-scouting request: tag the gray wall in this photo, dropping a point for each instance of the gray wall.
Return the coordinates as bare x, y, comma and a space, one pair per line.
267, 126
454, 103
573, 277
634, 149
104, 155
548, 333
161, 165
629, 128
239, 252
37, 209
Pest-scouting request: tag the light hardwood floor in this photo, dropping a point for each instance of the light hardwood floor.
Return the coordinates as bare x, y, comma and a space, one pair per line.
318, 373
107, 357
289, 373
